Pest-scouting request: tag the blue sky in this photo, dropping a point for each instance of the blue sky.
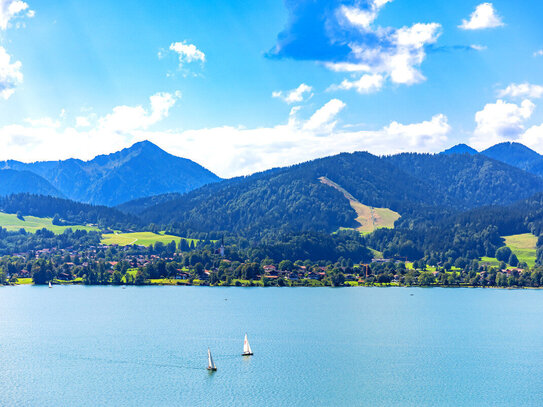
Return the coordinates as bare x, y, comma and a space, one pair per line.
243, 86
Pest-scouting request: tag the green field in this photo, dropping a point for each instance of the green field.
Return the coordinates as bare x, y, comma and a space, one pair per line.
524, 246
32, 223
368, 217
140, 238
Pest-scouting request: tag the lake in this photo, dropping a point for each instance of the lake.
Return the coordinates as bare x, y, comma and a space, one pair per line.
147, 346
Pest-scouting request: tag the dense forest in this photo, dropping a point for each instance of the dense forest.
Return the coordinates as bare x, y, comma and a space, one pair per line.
293, 200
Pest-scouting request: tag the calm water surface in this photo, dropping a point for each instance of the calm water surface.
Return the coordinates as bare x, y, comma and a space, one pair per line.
146, 346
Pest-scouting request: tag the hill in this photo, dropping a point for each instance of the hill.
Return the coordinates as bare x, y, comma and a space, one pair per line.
14, 182
468, 181
293, 199
138, 171
517, 155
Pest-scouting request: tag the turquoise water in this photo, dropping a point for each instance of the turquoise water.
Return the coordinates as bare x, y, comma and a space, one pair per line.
147, 346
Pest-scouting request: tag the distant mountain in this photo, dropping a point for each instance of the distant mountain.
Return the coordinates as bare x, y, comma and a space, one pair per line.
13, 182
293, 199
517, 155
460, 149
139, 171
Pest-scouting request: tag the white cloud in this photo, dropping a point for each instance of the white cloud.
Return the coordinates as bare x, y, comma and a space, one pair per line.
10, 74
364, 85
477, 47
522, 90
82, 121
187, 53
483, 17
226, 150
499, 122
397, 56
323, 119
294, 95
363, 18
125, 119
533, 138
43, 122
10, 9
538, 53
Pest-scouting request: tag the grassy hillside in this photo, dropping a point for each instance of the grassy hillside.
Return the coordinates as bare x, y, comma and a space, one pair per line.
32, 223
524, 246
368, 217
139, 238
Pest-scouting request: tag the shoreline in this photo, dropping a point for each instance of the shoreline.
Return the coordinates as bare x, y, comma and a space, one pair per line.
65, 284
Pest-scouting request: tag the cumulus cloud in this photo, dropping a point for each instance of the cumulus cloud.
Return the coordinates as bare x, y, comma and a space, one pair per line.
484, 16
344, 36
10, 9
125, 119
187, 53
499, 122
363, 85
226, 150
538, 53
363, 17
10, 74
323, 119
522, 90
82, 121
396, 55
295, 95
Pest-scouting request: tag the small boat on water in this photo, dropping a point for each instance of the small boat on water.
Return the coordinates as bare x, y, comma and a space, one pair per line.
210, 365
50, 286
246, 348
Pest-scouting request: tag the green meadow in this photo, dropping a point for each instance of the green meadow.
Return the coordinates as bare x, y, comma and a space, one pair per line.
31, 224
140, 238
524, 246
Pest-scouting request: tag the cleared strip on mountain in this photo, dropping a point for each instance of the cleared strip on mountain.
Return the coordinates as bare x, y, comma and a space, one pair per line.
368, 217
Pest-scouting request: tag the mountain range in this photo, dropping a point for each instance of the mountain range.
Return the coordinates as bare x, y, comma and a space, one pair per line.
139, 171
293, 199
153, 186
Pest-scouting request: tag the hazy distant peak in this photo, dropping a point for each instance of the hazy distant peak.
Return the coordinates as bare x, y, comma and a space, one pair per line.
460, 149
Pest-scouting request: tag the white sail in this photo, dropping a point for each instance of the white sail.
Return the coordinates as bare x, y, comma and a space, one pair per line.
246, 347
50, 286
210, 364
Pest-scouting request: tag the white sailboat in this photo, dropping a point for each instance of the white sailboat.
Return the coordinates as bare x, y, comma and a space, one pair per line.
246, 348
50, 286
210, 365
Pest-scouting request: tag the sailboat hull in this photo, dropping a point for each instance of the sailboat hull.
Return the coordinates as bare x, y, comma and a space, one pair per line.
247, 354
212, 369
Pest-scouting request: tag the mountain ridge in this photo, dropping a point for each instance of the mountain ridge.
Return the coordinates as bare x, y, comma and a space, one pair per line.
140, 170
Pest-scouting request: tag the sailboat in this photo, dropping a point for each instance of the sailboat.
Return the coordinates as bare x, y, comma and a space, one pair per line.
210, 365
50, 286
246, 348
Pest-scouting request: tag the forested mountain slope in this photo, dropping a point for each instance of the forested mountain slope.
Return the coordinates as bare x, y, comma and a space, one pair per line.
468, 181
517, 155
139, 171
293, 199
